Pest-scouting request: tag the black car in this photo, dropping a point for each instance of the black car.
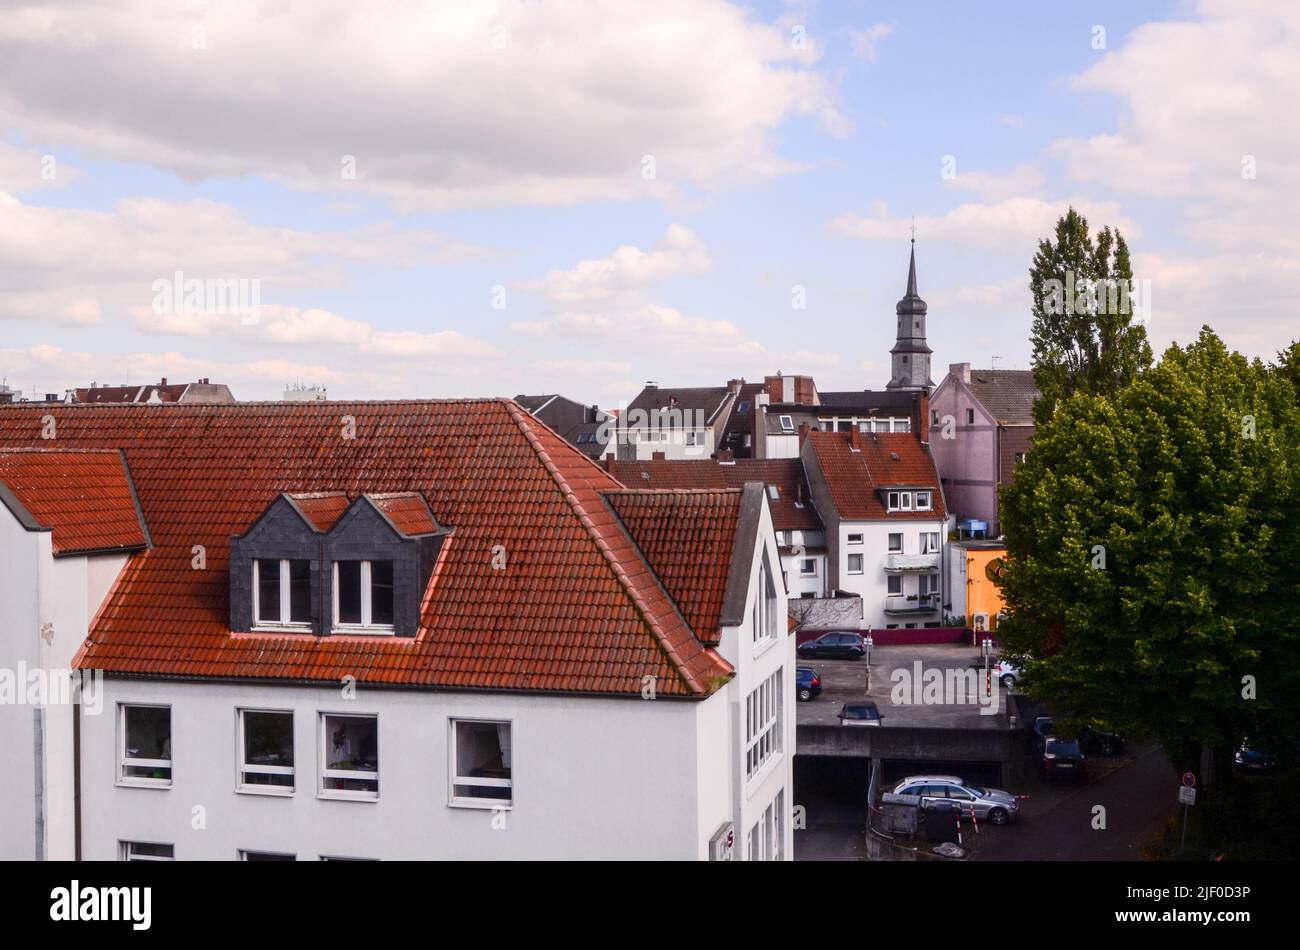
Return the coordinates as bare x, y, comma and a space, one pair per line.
833, 646
1100, 742
807, 683
859, 714
1063, 759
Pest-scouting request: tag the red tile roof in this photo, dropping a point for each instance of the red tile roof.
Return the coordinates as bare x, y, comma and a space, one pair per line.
884, 460
687, 536
84, 497
575, 607
786, 474
408, 511
322, 509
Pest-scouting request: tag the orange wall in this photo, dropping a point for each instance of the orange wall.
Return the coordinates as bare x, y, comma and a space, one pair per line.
982, 595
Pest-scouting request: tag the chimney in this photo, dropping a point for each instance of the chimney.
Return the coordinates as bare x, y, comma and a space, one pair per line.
775, 386
923, 413
595, 413
735, 384
608, 463
803, 434
855, 438
960, 370
164, 381
657, 456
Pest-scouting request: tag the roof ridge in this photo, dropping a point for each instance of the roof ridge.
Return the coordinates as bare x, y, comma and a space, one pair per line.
522, 420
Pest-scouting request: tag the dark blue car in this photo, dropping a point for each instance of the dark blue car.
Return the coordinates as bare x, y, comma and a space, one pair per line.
807, 684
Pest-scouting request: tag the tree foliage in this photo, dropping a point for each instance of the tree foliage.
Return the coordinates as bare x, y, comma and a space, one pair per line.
1153, 540
1084, 334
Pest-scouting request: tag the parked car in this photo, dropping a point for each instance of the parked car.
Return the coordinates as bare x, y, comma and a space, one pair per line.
836, 645
859, 714
1100, 742
1258, 761
1062, 758
1006, 673
994, 805
1091, 741
807, 684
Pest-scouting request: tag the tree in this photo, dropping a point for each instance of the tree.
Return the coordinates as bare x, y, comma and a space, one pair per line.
1288, 365
1084, 333
1153, 541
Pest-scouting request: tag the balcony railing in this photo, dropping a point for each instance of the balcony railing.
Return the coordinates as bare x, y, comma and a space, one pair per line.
912, 604
897, 563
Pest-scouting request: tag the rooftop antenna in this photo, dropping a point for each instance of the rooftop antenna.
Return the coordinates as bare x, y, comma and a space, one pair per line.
995, 361
913, 229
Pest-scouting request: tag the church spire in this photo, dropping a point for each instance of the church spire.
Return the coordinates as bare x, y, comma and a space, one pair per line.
910, 357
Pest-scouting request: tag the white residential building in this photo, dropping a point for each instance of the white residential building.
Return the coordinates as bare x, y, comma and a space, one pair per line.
376, 665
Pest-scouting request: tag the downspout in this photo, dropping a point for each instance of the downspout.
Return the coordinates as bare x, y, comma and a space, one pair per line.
38, 750
76, 780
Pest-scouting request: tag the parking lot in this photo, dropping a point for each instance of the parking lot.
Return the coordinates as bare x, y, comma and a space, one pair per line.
845, 681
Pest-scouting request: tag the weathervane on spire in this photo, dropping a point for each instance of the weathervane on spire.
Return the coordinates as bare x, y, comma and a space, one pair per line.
913, 229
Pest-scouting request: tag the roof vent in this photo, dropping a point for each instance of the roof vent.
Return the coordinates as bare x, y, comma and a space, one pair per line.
894, 456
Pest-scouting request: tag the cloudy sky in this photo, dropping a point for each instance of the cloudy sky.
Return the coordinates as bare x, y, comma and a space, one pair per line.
485, 198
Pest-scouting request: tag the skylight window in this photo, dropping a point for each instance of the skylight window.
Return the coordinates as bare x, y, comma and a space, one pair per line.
787, 424
773, 492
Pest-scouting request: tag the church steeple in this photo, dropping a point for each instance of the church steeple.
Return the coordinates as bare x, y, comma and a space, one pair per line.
910, 357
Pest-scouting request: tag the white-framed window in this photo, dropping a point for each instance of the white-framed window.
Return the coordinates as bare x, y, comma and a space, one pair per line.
766, 839
929, 542
763, 717
855, 564
855, 538
808, 567
266, 751
145, 851
764, 614
349, 755
923, 501
363, 596
894, 584
281, 592
481, 774
895, 542
928, 584
774, 492
787, 424
891, 501
266, 856
144, 736
905, 500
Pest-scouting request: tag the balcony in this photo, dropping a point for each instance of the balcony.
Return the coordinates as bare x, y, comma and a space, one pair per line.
902, 563
899, 605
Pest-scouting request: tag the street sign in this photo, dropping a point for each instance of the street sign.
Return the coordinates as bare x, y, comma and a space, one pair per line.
1189, 780
1186, 795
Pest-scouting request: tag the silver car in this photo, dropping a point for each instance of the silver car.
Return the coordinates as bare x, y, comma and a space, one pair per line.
994, 805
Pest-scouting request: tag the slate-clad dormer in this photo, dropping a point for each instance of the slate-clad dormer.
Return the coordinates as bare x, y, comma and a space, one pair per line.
322, 563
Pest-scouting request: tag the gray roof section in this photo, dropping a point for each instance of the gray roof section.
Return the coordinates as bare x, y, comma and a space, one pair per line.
706, 400
1008, 394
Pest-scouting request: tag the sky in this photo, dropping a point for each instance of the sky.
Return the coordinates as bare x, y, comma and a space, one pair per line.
461, 199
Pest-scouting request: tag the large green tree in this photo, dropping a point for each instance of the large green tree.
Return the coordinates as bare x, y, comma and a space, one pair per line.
1153, 537
1085, 335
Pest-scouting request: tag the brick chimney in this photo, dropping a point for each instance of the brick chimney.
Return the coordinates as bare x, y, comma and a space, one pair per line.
923, 416
657, 456
855, 437
960, 370
803, 433
164, 381
734, 384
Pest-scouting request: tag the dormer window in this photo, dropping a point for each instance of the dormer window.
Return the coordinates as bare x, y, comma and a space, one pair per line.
363, 596
281, 592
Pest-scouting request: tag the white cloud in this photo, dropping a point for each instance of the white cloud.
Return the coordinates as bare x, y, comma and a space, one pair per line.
625, 273
440, 104
1013, 224
73, 265
866, 42
1023, 181
23, 170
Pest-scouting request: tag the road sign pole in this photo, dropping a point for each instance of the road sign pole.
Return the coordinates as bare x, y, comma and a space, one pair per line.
1183, 849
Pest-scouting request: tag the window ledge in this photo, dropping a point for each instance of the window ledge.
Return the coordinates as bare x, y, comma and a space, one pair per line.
265, 791
481, 804
762, 646
339, 795
765, 771
281, 628
144, 783
364, 631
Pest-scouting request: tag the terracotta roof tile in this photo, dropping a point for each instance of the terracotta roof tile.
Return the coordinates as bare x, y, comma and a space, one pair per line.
574, 608
884, 460
788, 512
84, 497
